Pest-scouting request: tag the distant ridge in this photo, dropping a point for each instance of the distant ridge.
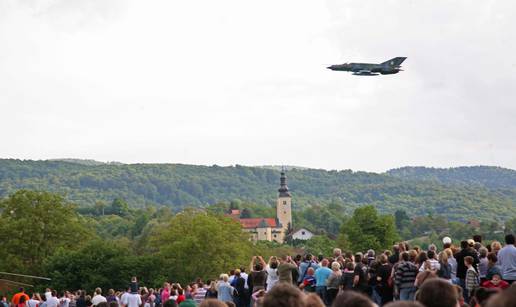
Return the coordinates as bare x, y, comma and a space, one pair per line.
460, 193
488, 176
85, 161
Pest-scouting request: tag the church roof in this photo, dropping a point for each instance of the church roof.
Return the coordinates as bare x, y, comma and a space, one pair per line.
258, 222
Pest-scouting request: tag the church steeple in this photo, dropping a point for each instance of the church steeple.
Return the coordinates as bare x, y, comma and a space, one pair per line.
283, 190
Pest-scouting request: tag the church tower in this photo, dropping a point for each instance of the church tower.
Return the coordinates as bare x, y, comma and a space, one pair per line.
284, 205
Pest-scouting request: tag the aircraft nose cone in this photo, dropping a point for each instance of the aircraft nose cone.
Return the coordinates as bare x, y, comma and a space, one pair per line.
330, 67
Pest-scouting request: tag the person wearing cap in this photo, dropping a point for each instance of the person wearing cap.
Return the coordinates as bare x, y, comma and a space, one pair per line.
466, 250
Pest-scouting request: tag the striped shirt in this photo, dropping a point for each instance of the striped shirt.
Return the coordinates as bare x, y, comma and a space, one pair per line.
471, 279
406, 275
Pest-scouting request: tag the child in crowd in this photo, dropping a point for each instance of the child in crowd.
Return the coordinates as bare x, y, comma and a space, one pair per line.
472, 279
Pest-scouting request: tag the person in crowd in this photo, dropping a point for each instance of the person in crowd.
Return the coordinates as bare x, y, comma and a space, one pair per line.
503, 299
172, 303
180, 295
286, 269
434, 263
16, 297
507, 259
165, 293
404, 304
53, 301
346, 280
35, 301
225, 291
352, 299
466, 250
211, 292
212, 303
257, 276
483, 263
472, 279
64, 301
200, 292
22, 302
131, 299
437, 293
480, 296
3, 301
496, 282
492, 266
406, 273
445, 268
111, 296
240, 295
307, 263
134, 285
313, 300
284, 295
452, 264
308, 284
321, 276
384, 280
425, 274
80, 300
97, 298
495, 247
360, 281
333, 282
272, 273
394, 258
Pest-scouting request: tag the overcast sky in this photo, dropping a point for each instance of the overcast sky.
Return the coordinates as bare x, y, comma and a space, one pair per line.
241, 82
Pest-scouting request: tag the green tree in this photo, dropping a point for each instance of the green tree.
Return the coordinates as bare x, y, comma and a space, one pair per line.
198, 244
366, 229
105, 264
34, 225
402, 219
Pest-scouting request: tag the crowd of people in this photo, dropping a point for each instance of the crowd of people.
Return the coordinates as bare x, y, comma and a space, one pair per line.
467, 275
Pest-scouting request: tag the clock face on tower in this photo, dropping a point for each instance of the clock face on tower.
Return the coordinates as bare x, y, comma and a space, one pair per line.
284, 202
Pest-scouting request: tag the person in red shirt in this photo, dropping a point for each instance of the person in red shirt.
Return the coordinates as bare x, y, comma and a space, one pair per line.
495, 283
17, 296
180, 297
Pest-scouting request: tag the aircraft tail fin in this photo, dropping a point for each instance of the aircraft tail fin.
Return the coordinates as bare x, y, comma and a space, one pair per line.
395, 61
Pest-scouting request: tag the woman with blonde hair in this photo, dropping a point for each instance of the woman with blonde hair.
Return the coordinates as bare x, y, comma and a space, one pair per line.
445, 268
495, 247
333, 282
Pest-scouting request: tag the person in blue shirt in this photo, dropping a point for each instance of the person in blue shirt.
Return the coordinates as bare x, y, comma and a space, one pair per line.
507, 259
321, 276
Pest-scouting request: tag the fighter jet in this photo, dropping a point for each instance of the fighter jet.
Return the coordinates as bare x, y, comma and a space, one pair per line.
392, 66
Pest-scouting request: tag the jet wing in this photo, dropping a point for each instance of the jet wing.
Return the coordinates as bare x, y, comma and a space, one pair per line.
364, 72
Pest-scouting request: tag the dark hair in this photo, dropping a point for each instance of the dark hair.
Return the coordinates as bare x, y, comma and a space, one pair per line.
431, 254
509, 239
22, 299
405, 256
283, 295
464, 244
102, 304
358, 258
258, 267
477, 238
170, 303
492, 257
404, 304
113, 304
481, 295
436, 287
506, 298
351, 299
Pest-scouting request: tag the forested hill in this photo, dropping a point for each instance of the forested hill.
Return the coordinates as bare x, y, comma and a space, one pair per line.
179, 185
487, 176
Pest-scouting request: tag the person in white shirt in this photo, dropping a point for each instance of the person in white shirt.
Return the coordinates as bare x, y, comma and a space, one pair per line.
98, 298
131, 300
53, 301
35, 301
64, 301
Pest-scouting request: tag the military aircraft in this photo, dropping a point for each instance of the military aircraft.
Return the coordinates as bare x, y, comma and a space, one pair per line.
392, 66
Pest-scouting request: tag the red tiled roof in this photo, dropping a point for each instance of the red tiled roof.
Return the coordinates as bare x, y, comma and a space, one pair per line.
253, 223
